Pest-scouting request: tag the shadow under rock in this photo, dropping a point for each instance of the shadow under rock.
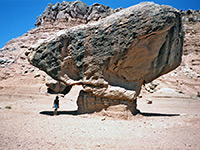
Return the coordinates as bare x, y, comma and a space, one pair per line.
157, 114
51, 113
75, 112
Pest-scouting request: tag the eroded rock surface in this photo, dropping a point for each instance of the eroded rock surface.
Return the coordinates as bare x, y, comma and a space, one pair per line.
113, 57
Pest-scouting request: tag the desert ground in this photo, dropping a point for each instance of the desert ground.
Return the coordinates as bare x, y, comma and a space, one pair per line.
172, 121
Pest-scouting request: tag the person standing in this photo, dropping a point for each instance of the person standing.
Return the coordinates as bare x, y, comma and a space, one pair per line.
56, 105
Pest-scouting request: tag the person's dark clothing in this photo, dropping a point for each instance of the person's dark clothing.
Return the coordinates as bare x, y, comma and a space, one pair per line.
56, 103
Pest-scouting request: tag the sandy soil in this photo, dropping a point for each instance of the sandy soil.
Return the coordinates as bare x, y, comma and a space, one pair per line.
27, 123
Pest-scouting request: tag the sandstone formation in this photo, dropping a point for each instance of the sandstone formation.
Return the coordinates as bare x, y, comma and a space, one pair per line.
113, 57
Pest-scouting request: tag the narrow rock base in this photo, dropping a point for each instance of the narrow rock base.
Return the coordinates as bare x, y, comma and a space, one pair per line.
89, 103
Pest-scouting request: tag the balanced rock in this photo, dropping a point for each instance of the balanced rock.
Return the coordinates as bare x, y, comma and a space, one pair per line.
114, 56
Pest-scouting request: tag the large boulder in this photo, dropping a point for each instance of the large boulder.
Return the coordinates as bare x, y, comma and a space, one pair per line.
113, 57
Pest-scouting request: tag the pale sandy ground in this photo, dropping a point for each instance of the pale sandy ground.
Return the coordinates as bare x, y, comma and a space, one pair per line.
172, 121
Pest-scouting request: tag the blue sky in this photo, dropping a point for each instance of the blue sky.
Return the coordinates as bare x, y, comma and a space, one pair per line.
18, 16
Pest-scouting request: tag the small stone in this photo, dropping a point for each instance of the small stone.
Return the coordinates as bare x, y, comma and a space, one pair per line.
3, 60
31, 69
104, 118
98, 145
150, 87
25, 71
36, 75
10, 61
12, 49
179, 91
149, 101
3, 66
23, 58
43, 77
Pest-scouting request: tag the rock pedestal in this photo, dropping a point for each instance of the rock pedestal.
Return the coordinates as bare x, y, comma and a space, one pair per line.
89, 103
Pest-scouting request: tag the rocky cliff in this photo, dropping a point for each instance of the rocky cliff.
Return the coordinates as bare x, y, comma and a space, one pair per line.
72, 13
190, 16
113, 57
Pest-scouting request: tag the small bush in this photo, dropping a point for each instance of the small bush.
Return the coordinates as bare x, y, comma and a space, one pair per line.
8, 107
